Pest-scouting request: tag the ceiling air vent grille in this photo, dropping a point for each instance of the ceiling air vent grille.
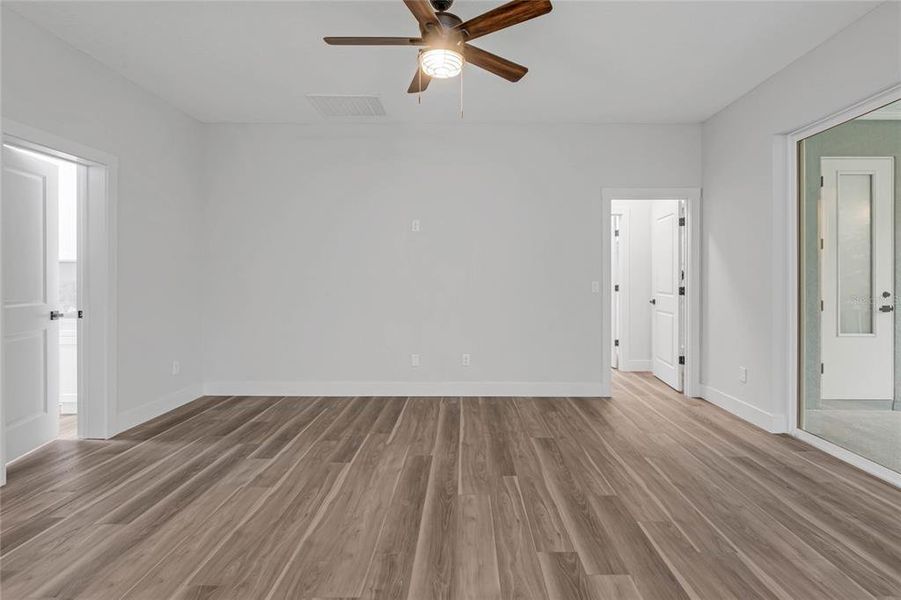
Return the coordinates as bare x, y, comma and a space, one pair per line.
347, 106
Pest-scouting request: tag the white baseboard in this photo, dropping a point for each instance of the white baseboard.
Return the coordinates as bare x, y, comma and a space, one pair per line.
404, 388
849, 457
635, 365
145, 412
761, 418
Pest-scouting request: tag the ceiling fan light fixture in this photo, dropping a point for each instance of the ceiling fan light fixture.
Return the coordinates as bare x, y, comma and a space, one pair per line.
440, 63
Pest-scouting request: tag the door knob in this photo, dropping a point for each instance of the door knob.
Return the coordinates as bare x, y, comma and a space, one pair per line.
886, 308
652, 301
55, 314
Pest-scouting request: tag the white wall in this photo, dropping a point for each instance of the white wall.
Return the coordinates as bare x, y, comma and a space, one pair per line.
635, 289
741, 315
50, 86
315, 283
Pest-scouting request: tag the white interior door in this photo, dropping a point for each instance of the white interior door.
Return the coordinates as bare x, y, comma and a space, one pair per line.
857, 283
665, 280
30, 292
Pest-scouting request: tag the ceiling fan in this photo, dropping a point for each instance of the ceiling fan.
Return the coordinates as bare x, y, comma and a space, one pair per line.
444, 39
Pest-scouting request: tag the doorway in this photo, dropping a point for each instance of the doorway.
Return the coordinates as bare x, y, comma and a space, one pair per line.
57, 285
651, 294
648, 288
849, 187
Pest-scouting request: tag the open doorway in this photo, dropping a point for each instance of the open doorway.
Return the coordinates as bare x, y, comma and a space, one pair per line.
58, 291
651, 294
850, 276
648, 288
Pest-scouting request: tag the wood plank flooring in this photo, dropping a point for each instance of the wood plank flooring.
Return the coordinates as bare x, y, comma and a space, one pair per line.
647, 495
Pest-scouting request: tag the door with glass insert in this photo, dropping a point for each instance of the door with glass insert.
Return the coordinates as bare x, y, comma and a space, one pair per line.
857, 284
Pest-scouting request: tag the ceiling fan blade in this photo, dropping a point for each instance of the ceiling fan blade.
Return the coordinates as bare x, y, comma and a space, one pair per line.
424, 13
493, 63
374, 41
415, 84
504, 16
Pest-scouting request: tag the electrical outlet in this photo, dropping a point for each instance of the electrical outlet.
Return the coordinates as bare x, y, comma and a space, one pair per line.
176, 367
742, 374
414, 360
465, 360
415, 226
595, 287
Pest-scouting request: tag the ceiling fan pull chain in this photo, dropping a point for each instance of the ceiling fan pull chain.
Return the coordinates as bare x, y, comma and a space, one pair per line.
461, 89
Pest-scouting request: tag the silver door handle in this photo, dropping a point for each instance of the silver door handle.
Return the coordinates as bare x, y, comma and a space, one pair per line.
55, 314
886, 308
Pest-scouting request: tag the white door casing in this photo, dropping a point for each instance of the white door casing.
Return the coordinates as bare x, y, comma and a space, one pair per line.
857, 278
616, 267
666, 261
30, 291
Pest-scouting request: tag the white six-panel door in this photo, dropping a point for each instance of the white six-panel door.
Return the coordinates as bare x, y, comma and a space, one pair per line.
665, 282
30, 291
857, 278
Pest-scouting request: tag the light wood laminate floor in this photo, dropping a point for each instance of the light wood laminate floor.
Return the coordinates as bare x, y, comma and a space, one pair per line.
68, 427
646, 495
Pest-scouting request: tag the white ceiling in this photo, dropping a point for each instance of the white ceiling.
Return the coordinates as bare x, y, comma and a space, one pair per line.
589, 61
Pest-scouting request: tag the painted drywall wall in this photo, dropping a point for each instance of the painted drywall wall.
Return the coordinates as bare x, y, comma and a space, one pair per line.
635, 288
856, 138
48, 85
740, 312
316, 284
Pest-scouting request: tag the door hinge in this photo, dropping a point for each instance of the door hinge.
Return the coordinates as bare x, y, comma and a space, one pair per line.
681, 290
681, 360
681, 221
822, 244
821, 181
616, 342
821, 306
616, 233
616, 287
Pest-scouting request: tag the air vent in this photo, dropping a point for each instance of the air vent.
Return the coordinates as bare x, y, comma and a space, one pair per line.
347, 106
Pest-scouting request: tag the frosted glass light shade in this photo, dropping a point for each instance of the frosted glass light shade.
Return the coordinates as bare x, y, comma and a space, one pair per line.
439, 63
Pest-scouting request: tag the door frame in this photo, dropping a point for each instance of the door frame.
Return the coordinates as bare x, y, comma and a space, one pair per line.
692, 323
786, 265
97, 279
617, 308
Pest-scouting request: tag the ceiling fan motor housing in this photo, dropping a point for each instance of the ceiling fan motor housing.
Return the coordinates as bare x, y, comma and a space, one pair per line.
448, 36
